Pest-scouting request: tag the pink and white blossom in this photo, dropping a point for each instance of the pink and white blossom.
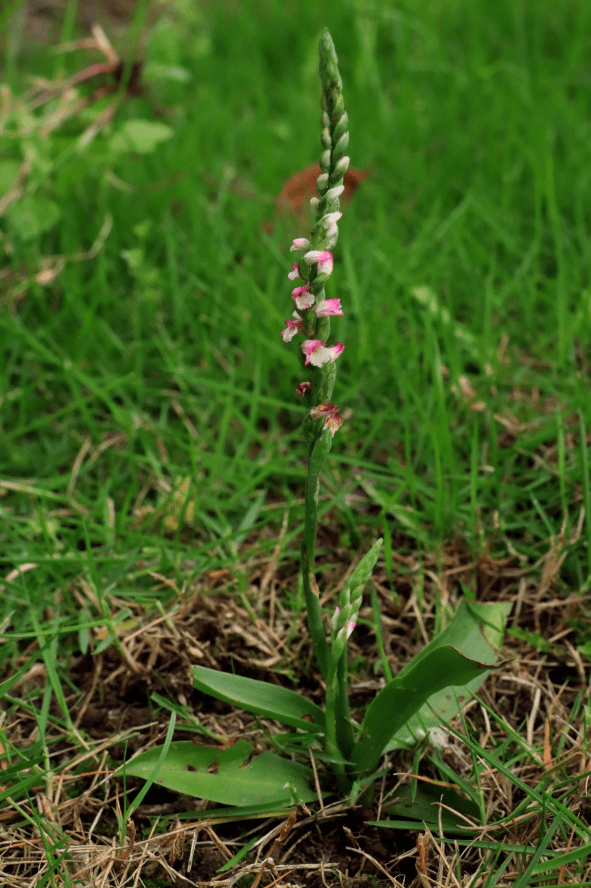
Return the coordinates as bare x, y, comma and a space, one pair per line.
294, 273
322, 259
299, 243
318, 353
291, 328
303, 298
327, 308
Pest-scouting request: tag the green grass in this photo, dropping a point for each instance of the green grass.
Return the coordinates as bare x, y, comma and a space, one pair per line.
476, 137
148, 416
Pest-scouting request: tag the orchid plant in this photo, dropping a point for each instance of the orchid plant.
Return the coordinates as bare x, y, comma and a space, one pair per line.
346, 752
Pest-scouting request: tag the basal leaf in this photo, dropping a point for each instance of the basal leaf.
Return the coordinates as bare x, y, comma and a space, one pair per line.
442, 668
477, 632
260, 697
459, 657
227, 776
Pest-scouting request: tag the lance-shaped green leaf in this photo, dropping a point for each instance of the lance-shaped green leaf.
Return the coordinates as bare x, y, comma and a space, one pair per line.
477, 632
227, 776
261, 698
459, 657
395, 704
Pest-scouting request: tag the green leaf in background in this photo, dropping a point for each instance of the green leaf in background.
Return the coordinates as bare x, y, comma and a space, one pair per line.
261, 698
141, 136
32, 215
227, 776
460, 656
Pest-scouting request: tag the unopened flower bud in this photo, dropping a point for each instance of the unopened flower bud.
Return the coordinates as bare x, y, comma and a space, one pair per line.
342, 166
322, 183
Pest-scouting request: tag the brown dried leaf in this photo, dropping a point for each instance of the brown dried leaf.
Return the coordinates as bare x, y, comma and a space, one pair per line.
294, 197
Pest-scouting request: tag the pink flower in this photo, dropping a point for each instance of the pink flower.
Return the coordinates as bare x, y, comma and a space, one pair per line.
302, 297
300, 243
303, 388
291, 328
321, 410
328, 308
294, 273
330, 412
322, 258
317, 353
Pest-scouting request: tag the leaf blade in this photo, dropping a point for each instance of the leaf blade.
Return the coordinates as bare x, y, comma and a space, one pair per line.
260, 698
460, 656
227, 776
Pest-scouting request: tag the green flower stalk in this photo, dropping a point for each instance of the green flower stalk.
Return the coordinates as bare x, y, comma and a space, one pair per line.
311, 319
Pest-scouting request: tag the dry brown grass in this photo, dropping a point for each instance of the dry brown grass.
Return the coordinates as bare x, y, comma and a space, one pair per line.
71, 807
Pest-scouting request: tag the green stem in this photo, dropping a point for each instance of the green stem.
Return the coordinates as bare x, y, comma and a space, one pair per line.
344, 726
318, 454
331, 742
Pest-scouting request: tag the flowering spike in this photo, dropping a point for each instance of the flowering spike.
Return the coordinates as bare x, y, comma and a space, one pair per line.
313, 310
